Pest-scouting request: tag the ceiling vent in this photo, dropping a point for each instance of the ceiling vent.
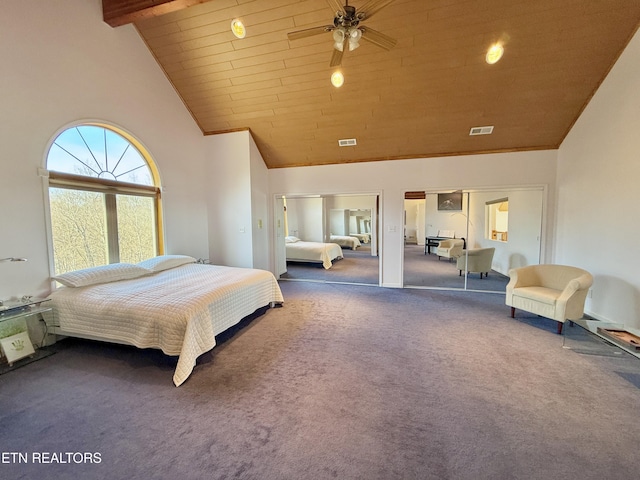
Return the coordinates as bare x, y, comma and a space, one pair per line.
347, 142
481, 130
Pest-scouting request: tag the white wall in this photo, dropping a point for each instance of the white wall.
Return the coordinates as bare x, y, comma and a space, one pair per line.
436, 220
412, 211
598, 183
260, 209
306, 218
62, 64
229, 193
393, 178
524, 237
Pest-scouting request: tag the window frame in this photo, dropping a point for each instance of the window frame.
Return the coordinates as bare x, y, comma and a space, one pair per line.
110, 188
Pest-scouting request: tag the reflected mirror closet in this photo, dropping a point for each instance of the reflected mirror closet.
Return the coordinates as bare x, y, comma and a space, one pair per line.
327, 238
469, 239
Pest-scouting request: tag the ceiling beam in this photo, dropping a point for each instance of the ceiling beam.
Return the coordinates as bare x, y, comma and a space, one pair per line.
122, 12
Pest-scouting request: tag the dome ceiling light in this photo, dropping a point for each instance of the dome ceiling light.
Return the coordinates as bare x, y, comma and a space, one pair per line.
237, 27
494, 53
337, 79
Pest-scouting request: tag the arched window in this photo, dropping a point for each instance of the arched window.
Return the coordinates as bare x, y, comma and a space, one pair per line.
104, 198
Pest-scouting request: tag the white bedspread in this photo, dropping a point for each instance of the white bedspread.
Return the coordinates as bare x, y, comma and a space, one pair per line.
363, 237
346, 241
313, 252
179, 310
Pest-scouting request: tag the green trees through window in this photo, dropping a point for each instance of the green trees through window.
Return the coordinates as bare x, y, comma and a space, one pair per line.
104, 199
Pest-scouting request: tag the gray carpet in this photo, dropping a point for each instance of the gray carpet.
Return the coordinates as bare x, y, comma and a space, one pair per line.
356, 266
349, 382
422, 270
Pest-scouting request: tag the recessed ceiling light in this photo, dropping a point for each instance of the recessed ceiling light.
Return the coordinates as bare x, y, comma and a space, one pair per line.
494, 53
237, 27
337, 79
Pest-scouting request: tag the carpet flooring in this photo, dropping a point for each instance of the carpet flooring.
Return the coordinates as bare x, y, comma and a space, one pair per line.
422, 270
343, 381
357, 266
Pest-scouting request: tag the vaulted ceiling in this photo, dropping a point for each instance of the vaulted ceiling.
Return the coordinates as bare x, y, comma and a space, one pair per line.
419, 99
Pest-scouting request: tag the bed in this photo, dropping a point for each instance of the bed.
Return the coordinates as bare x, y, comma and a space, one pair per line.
299, 251
346, 241
170, 303
363, 237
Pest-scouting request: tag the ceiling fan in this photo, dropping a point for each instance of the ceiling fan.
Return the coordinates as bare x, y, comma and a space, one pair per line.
347, 29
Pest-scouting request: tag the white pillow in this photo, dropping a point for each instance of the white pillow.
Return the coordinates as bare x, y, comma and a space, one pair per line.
291, 239
165, 262
102, 274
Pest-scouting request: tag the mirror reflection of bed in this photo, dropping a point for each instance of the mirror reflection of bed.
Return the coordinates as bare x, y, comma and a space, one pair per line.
346, 222
517, 211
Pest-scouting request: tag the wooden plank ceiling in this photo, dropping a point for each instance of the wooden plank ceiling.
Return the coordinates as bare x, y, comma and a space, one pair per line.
419, 99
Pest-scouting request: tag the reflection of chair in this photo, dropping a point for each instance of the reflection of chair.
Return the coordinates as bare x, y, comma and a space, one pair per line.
479, 260
557, 292
435, 241
451, 248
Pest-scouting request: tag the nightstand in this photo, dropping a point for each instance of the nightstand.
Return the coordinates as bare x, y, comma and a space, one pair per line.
15, 343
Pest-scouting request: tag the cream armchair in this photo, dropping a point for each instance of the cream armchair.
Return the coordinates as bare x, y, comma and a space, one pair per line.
480, 260
451, 248
557, 292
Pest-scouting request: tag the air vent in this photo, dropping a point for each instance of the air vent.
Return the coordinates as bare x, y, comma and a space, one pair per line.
347, 142
481, 130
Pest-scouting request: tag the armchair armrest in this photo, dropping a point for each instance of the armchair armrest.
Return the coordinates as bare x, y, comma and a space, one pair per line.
571, 300
522, 277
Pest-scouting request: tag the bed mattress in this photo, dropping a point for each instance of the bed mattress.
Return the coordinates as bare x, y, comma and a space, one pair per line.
325, 253
179, 310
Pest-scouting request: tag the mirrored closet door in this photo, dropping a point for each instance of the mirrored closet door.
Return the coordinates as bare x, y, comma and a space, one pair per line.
469, 239
306, 223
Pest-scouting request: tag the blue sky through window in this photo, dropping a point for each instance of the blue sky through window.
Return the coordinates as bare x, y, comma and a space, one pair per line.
98, 152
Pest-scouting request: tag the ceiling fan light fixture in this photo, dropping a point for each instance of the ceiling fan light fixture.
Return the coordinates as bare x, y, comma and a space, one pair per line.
354, 38
237, 27
338, 37
494, 54
337, 79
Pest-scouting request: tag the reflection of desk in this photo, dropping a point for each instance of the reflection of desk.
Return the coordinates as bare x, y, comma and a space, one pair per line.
435, 241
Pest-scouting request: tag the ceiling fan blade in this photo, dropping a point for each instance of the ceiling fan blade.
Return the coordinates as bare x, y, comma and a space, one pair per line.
372, 7
309, 32
336, 57
378, 38
336, 6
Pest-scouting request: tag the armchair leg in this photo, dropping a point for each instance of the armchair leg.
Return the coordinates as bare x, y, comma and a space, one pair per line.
513, 312
560, 324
